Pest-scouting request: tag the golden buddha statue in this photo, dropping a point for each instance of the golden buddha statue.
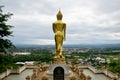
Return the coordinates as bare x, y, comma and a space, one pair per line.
59, 28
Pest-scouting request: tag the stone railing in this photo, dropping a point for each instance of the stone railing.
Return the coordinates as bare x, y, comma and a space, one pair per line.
19, 70
9, 71
103, 71
110, 74
6, 73
32, 67
15, 71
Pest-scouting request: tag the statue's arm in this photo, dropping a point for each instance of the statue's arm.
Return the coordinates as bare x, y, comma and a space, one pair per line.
64, 31
53, 25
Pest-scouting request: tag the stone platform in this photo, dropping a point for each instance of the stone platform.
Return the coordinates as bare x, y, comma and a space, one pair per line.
52, 71
58, 59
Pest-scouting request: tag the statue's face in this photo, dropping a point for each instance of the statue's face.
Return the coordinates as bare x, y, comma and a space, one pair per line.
59, 17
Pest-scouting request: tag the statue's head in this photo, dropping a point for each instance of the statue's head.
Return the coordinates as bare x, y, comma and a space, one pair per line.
59, 15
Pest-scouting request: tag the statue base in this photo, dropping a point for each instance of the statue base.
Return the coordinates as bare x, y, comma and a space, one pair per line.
60, 59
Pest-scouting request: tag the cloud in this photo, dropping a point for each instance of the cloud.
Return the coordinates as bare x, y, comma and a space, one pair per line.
39, 41
88, 21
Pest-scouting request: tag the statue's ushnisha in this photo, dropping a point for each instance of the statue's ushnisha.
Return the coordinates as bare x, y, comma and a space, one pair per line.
59, 28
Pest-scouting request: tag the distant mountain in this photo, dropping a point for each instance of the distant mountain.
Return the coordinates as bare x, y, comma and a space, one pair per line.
74, 45
31, 45
94, 46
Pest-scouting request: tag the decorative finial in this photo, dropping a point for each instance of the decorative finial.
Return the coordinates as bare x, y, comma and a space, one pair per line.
59, 15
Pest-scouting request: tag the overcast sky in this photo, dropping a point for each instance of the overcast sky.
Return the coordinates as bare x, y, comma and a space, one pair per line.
88, 21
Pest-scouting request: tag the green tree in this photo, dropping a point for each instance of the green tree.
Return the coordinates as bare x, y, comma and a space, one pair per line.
5, 31
113, 63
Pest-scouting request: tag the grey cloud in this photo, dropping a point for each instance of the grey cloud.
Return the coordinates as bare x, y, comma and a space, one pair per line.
87, 21
108, 6
28, 7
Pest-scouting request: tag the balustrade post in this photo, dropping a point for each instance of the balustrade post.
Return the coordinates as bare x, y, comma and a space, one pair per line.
28, 78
